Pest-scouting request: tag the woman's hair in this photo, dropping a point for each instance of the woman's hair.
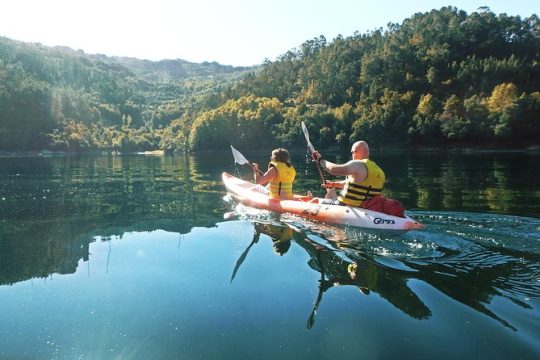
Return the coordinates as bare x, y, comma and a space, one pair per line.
281, 247
282, 155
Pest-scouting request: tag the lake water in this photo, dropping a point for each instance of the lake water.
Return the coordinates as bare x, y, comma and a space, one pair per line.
140, 257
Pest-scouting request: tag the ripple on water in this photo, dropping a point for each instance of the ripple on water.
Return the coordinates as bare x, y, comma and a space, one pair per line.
488, 230
498, 251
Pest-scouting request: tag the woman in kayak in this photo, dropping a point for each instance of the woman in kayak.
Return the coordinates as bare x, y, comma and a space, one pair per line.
279, 176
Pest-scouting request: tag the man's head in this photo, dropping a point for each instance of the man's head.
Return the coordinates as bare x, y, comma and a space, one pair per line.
360, 150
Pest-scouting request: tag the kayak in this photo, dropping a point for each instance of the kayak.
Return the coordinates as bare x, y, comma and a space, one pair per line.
253, 195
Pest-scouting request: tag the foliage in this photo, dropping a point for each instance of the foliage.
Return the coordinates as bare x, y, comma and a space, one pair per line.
63, 99
439, 77
444, 76
248, 120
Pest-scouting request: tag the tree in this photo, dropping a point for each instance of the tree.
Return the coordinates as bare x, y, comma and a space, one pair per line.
248, 121
502, 106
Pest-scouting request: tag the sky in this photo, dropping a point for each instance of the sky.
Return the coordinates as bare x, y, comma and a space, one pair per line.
231, 32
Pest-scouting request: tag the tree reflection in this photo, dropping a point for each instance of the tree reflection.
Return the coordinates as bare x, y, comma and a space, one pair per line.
481, 181
53, 208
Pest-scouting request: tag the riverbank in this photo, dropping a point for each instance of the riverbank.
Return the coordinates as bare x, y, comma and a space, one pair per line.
329, 150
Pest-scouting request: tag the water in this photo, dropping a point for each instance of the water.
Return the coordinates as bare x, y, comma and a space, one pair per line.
130, 257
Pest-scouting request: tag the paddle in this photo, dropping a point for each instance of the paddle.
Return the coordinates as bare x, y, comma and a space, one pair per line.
329, 192
241, 159
312, 150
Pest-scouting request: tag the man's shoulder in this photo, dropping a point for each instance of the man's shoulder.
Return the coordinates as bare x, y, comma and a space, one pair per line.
357, 168
359, 163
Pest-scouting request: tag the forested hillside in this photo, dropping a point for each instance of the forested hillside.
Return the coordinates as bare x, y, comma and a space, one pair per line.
443, 77
58, 98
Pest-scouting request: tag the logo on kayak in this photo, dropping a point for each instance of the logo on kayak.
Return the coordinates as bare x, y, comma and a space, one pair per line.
378, 221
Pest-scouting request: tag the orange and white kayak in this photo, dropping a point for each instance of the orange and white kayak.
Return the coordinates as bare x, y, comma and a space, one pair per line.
251, 195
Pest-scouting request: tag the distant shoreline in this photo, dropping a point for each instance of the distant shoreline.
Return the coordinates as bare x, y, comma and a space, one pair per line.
421, 149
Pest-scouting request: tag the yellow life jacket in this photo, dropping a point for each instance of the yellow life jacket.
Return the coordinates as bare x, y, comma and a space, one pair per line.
281, 186
354, 194
278, 233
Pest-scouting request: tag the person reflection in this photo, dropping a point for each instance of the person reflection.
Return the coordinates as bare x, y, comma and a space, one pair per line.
281, 236
340, 266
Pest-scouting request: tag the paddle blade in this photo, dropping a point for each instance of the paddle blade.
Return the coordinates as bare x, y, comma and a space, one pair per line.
239, 262
306, 135
238, 157
311, 318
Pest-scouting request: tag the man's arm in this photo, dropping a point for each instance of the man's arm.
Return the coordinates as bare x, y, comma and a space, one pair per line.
335, 184
349, 168
354, 168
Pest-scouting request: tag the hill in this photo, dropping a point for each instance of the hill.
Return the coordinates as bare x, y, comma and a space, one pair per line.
49, 94
442, 77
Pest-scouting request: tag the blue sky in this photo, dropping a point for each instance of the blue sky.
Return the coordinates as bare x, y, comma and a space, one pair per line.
233, 32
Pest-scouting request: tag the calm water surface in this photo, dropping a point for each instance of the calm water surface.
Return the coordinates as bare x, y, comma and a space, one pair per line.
134, 257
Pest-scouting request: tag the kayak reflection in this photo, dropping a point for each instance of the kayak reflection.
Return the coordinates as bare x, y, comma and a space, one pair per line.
473, 275
336, 268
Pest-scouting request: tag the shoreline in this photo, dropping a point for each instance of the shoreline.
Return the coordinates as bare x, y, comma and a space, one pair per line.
333, 150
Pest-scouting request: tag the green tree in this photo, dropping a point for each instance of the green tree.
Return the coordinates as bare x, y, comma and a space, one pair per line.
248, 121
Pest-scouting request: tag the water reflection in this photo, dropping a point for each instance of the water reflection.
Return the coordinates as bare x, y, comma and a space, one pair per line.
467, 283
53, 208
498, 182
474, 274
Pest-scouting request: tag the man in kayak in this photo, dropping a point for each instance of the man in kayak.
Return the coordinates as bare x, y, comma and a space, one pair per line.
364, 178
280, 175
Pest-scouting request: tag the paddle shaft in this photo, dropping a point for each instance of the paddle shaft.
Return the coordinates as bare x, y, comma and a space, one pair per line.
311, 318
320, 172
312, 150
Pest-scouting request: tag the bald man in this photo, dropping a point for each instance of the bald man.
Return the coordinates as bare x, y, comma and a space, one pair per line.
364, 178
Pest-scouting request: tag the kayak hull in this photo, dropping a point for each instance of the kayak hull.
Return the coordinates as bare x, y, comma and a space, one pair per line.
249, 194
